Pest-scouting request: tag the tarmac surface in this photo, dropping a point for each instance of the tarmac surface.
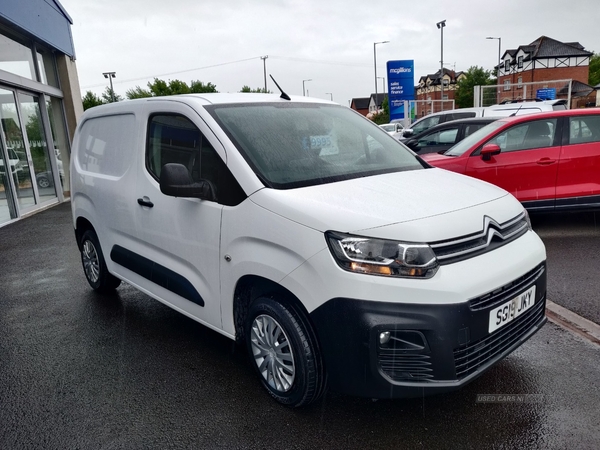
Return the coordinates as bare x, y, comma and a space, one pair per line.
81, 370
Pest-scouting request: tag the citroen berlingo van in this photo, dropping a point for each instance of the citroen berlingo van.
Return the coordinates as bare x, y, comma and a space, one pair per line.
293, 226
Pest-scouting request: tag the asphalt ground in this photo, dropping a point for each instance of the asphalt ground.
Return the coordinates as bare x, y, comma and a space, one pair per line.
573, 250
84, 371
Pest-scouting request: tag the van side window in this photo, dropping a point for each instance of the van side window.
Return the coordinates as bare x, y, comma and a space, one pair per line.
173, 138
584, 129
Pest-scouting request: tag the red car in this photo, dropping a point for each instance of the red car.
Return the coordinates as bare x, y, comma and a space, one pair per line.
548, 161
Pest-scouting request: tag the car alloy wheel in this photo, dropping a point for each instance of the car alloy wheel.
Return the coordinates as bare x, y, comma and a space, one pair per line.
273, 353
91, 265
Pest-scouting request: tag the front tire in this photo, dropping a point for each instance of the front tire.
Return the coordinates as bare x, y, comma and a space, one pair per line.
94, 266
284, 352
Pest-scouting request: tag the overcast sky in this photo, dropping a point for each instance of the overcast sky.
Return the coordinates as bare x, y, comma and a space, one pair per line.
327, 41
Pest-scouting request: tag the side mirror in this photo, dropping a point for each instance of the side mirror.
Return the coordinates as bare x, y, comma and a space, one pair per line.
408, 132
412, 144
489, 150
175, 181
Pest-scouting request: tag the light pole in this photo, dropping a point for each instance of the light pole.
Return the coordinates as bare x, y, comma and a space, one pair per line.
499, 46
382, 83
110, 76
264, 58
498, 69
441, 26
330, 95
303, 89
375, 64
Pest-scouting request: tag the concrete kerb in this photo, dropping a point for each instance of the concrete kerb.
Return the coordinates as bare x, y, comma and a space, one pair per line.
573, 322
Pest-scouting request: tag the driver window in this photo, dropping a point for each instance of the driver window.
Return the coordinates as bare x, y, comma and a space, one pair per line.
173, 138
426, 124
443, 137
526, 136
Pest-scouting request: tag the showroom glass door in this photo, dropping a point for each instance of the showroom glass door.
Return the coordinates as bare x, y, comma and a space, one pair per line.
7, 207
15, 146
26, 149
37, 146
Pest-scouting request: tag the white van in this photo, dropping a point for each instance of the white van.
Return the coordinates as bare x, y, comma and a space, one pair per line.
294, 225
500, 110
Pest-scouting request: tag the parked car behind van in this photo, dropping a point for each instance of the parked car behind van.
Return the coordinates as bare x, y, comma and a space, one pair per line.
500, 110
441, 137
393, 129
549, 161
294, 226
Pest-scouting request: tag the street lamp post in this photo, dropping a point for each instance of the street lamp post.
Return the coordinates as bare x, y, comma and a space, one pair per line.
498, 69
110, 76
499, 46
330, 95
303, 88
441, 26
264, 58
375, 64
382, 83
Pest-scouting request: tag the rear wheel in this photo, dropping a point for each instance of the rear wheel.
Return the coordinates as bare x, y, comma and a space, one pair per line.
284, 352
94, 265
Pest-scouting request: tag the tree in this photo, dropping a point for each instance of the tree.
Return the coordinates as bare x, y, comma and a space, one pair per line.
594, 76
257, 90
475, 76
90, 100
109, 96
137, 92
198, 87
384, 115
159, 88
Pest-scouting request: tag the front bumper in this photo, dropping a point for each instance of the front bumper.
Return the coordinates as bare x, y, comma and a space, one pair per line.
433, 349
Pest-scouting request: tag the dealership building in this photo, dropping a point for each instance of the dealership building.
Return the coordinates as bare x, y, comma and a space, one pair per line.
40, 102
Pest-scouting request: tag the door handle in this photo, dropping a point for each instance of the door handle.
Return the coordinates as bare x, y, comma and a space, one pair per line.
145, 201
545, 161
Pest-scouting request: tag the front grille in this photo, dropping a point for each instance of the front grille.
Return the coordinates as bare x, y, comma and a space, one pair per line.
492, 236
405, 366
470, 358
508, 291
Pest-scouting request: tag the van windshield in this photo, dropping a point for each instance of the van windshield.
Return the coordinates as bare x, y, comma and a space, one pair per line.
295, 144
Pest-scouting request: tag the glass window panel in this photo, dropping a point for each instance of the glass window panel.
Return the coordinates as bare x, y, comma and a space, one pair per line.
7, 211
38, 147
16, 58
13, 134
59, 137
584, 129
526, 136
47, 67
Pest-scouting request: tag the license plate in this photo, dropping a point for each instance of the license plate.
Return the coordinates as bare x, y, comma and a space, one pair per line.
512, 309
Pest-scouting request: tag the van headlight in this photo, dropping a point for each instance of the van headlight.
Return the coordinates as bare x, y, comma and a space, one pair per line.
528, 220
382, 257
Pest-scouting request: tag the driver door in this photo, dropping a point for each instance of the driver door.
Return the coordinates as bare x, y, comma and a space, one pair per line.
527, 166
179, 238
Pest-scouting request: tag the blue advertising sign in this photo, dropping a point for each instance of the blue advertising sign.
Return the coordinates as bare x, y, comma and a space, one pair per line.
401, 86
546, 94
